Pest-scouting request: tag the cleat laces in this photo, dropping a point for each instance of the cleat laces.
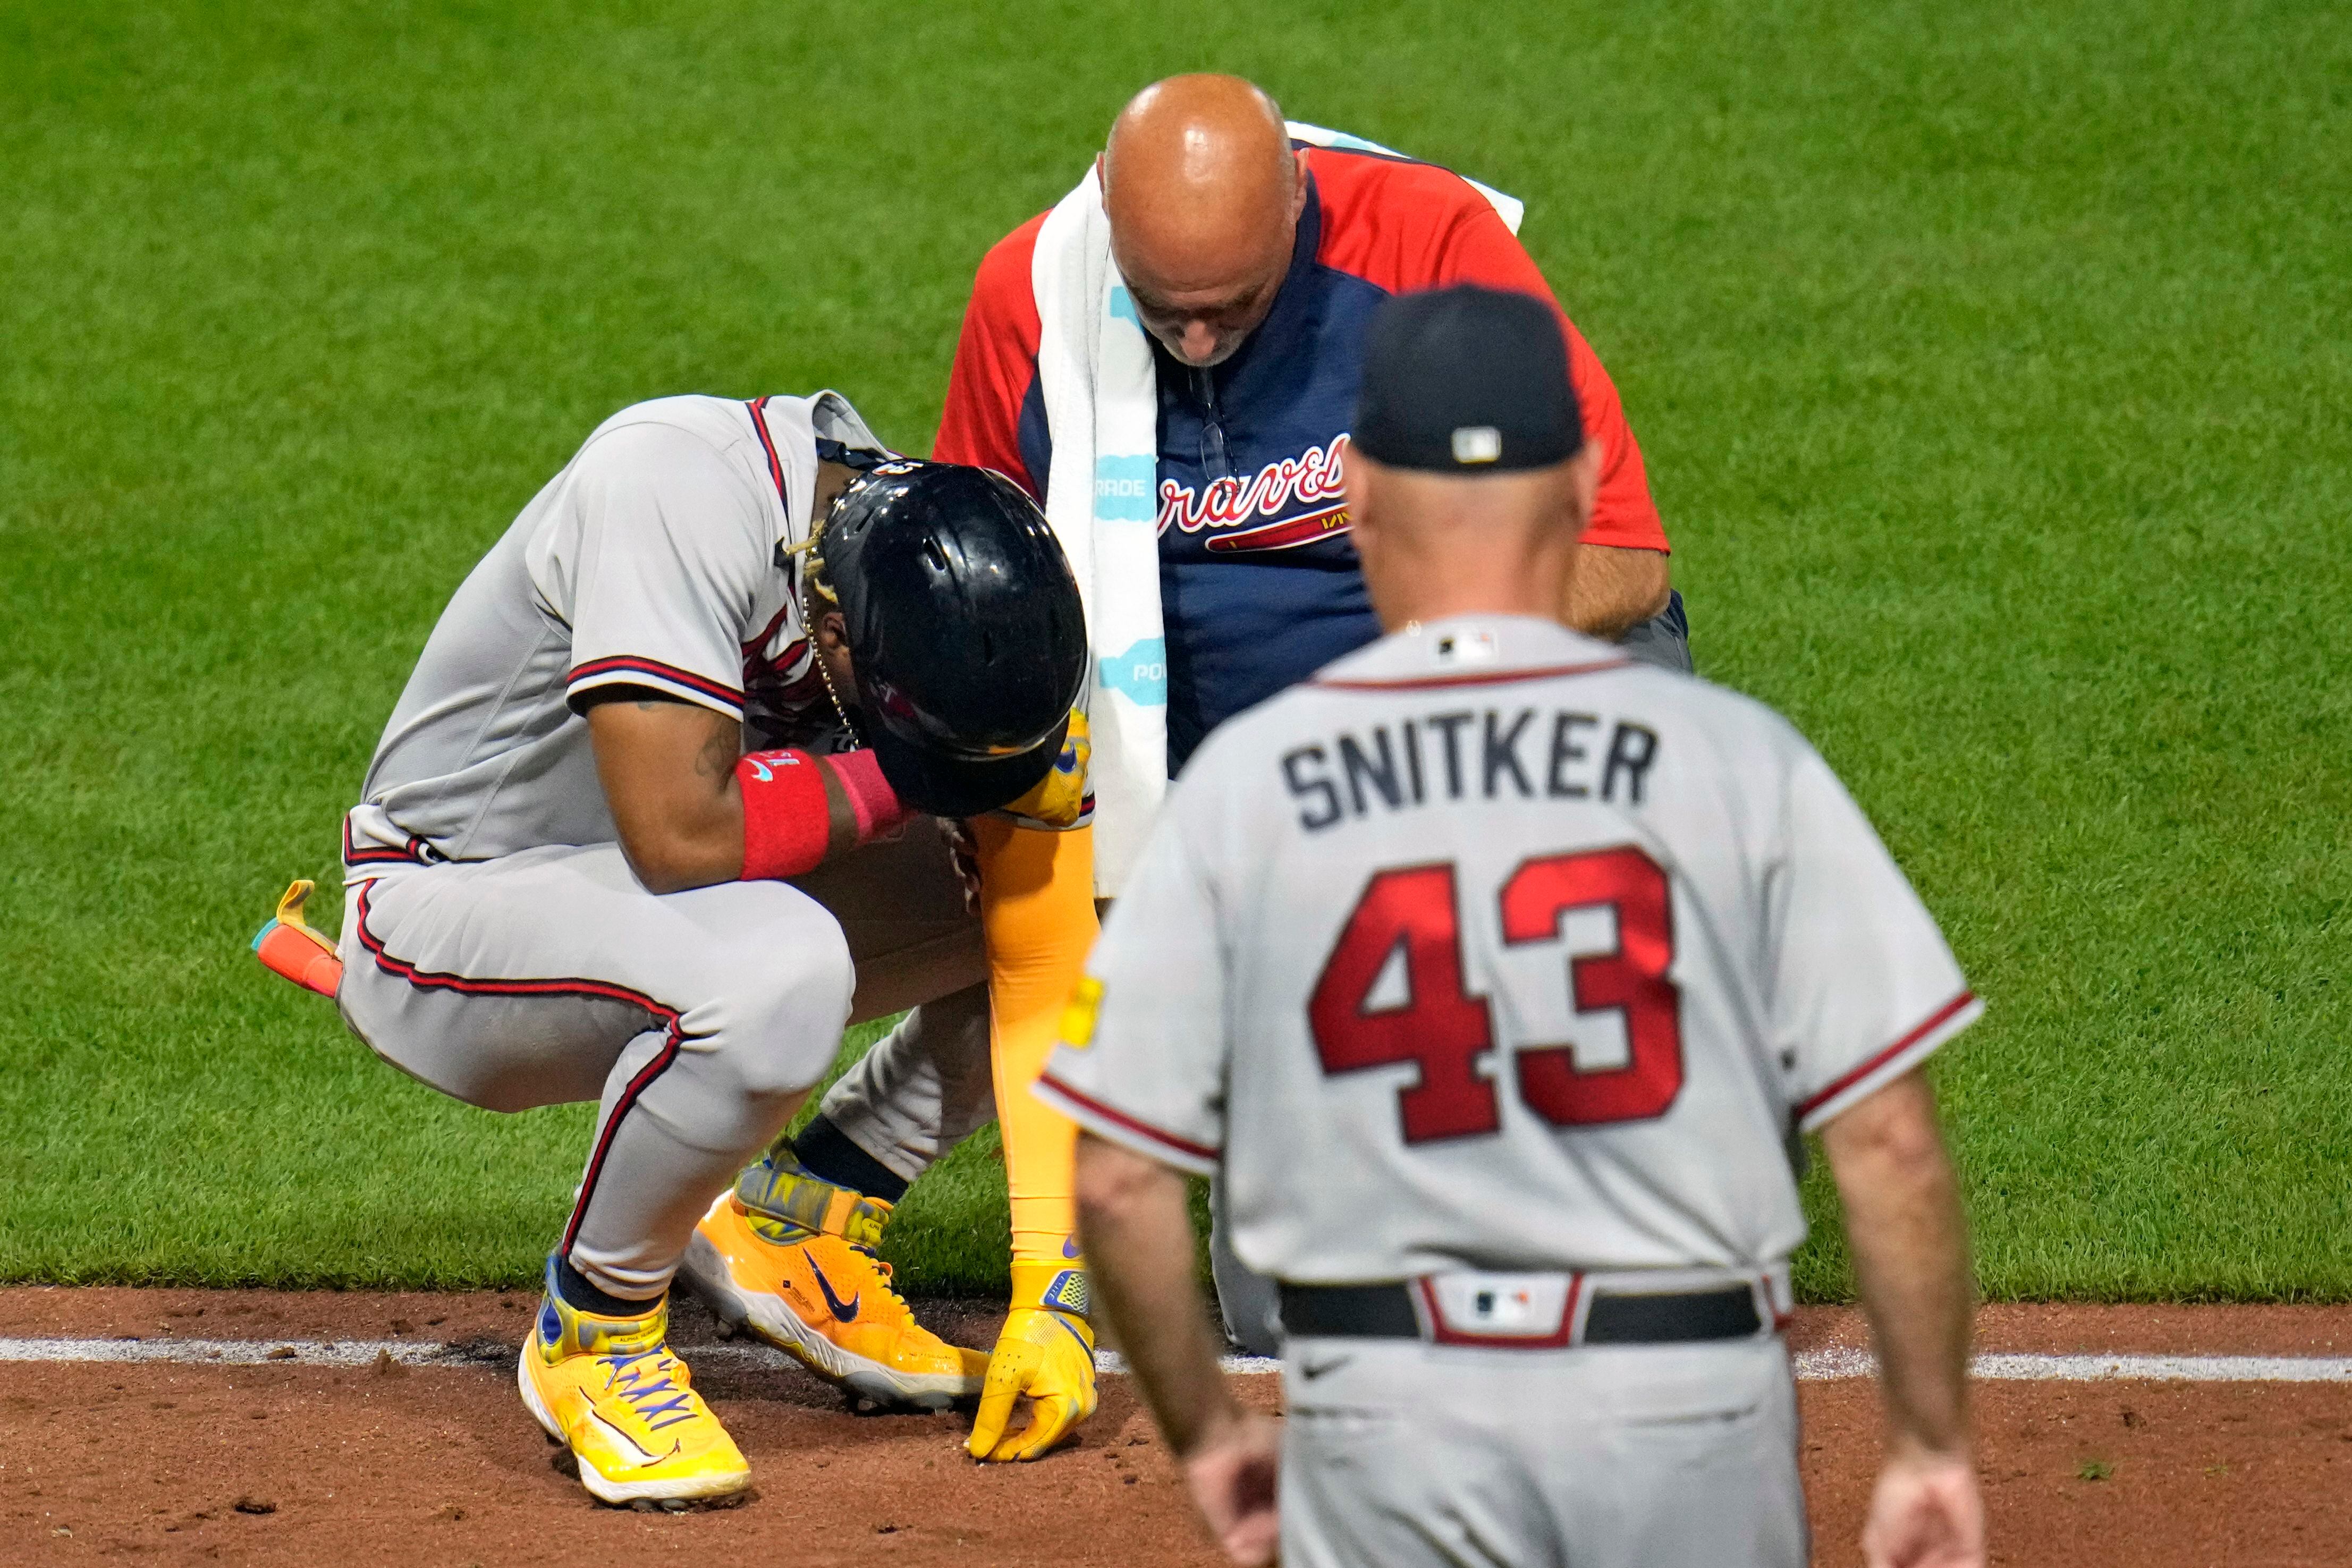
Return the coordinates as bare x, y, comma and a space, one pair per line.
895, 1308
625, 1378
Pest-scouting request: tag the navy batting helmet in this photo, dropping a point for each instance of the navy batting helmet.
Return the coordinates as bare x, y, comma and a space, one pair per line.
965, 631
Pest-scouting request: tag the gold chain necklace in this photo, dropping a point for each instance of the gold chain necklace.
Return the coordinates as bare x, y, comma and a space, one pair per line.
810, 565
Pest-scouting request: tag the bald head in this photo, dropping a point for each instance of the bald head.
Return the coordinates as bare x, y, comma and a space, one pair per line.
1203, 193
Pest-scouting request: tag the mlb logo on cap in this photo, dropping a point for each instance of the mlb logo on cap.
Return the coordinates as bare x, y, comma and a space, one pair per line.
1467, 377
1478, 444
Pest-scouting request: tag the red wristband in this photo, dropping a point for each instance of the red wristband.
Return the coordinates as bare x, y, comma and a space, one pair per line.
785, 819
875, 805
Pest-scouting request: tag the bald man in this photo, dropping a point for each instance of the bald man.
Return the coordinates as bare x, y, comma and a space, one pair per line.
1254, 263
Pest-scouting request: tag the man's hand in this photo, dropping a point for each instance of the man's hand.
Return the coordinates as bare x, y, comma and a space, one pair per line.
1925, 1512
1046, 1351
1232, 1474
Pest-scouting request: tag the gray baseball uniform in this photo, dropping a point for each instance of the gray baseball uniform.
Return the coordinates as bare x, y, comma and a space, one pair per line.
1489, 970
495, 944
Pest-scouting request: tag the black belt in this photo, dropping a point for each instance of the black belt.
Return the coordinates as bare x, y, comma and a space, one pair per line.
1386, 1311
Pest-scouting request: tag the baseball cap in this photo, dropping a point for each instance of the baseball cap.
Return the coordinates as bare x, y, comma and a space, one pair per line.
1467, 380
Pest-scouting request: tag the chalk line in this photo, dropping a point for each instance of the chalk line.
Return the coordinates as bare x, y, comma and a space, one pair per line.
175, 1351
1812, 1366
2040, 1366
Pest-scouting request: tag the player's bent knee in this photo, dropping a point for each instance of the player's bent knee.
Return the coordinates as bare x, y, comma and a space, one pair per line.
786, 1010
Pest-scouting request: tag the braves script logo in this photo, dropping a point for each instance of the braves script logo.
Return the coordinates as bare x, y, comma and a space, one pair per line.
1313, 476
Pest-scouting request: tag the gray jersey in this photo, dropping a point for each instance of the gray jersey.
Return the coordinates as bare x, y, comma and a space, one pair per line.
1486, 949
658, 558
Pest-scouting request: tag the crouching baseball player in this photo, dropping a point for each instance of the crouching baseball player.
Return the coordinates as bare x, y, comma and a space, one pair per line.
652, 821
1490, 970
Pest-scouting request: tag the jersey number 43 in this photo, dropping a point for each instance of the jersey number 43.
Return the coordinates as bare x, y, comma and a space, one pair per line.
1445, 1030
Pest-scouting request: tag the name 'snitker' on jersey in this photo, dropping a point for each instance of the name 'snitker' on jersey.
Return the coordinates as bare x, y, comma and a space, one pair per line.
1526, 753
1317, 475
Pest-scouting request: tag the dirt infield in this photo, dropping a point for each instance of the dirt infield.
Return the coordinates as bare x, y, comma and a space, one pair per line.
387, 1464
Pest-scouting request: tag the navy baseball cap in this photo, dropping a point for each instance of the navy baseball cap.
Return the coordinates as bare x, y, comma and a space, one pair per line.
1467, 380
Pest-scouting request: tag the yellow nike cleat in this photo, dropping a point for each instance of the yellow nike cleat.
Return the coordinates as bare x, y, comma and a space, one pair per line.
609, 1389
790, 1259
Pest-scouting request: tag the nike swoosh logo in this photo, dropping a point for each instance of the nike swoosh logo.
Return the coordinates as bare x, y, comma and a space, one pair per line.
845, 1311
1313, 1370
644, 1464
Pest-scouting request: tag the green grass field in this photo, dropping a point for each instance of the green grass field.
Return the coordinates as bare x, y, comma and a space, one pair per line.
1990, 363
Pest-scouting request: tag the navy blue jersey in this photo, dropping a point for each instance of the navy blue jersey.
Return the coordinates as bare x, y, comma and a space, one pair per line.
1259, 583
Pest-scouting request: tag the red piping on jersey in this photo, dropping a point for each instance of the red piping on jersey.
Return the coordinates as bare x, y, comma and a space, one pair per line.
1491, 678
1936, 1020
631, 664
416, 852
1121, 1119
674, 1036
1439, 1334
757, 408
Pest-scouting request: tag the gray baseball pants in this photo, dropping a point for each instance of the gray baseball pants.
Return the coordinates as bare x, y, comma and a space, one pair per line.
699, 1020
1415, 1456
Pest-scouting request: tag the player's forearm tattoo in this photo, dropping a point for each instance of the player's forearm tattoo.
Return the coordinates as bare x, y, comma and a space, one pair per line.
721, 751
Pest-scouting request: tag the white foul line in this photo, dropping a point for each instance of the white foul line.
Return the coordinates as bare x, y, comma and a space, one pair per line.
254, 1352
1811, 1365
2039, 1366
1111, 1362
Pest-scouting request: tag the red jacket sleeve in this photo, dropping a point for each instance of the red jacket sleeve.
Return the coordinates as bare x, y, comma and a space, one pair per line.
995, 365
1480, 249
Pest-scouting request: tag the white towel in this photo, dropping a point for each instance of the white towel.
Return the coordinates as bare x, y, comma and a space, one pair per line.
1102, 415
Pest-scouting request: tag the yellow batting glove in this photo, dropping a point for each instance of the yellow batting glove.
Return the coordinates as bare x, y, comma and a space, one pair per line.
1047, 1353
1063, 799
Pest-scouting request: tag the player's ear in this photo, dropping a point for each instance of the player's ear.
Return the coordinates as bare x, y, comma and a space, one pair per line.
832, 642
